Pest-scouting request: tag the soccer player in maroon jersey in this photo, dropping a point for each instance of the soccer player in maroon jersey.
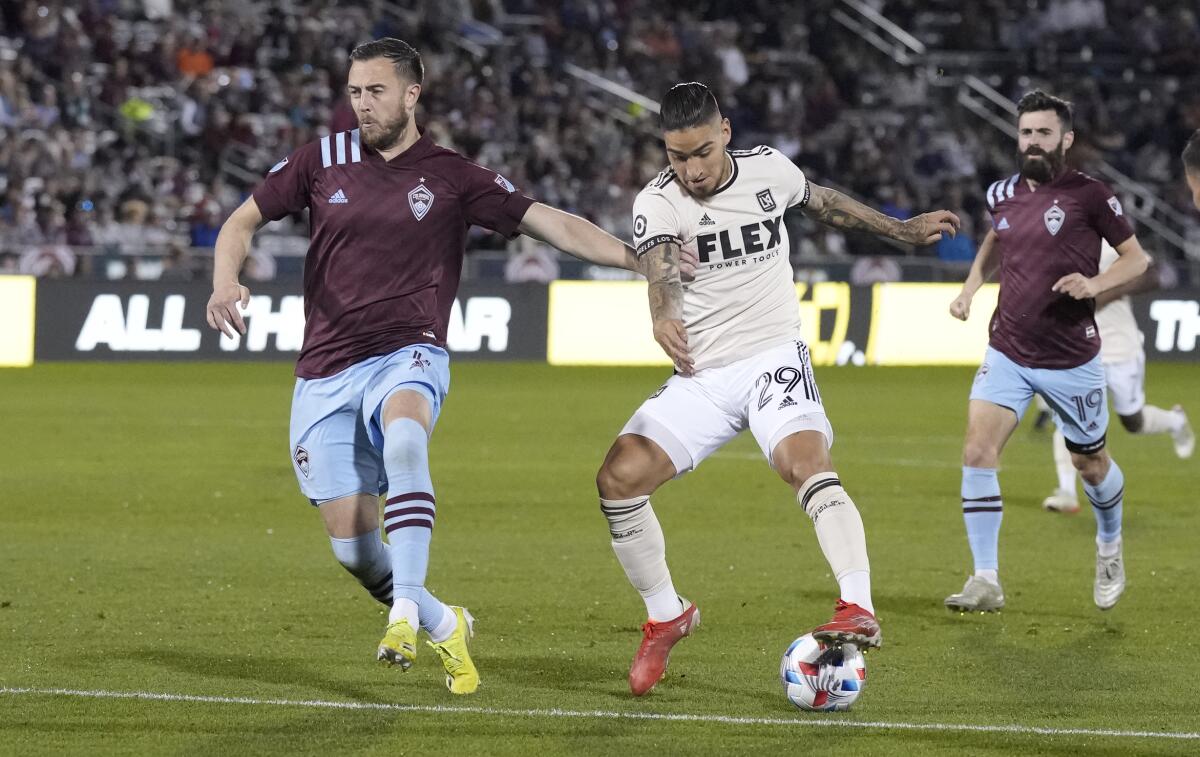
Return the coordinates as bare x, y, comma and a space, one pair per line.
1047, 224
389, 214
1191, 166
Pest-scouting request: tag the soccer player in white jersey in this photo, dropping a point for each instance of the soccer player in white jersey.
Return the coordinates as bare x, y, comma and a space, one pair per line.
1124, 363
733, 333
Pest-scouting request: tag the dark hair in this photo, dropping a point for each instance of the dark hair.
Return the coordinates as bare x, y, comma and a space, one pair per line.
1037, 100
402, 55
1191, 153
687, 105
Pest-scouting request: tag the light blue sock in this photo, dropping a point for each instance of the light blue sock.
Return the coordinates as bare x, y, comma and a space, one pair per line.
369, 560
1106, 498
432, 613
982, 512
408, 514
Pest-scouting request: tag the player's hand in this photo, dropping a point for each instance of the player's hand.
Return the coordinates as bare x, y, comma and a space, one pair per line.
223, 313
672, 337
689, 261
1077, 286
961, 307
929, 228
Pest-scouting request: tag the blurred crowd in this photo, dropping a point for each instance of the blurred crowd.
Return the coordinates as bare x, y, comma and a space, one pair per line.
136, 126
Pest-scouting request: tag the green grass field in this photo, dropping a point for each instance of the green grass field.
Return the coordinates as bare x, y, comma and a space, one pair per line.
152, 539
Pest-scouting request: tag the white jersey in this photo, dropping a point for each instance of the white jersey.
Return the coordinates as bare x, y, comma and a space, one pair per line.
1120, 340
743, 299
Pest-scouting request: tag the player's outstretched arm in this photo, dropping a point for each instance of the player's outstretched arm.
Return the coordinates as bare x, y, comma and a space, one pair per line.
233, 245
661, 264
1132, 261
985, 264
578, 237
833, 208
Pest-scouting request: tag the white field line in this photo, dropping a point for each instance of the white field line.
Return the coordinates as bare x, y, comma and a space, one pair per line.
800, 721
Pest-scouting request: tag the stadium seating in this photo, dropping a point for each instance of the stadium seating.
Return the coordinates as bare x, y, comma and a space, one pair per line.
132, 129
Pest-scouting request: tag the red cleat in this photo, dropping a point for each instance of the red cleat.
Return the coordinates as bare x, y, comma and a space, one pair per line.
851, 624
650, 662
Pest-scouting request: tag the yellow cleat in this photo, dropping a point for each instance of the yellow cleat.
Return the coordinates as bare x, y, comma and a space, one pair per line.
399, 645
461, 675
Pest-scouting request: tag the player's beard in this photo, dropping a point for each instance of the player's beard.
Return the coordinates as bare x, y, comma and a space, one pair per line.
1041, 166
385, 136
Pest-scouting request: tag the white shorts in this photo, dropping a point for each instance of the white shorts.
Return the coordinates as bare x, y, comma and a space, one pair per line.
1127, 384
772, 393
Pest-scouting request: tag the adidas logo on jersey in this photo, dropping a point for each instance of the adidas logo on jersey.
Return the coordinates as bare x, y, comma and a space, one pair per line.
338, 198
706, 221
1002, 225
787, 402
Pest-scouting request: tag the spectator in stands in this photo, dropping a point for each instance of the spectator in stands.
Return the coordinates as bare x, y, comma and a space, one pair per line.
177, 265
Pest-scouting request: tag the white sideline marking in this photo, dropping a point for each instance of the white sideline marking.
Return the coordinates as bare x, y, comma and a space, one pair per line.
601, 714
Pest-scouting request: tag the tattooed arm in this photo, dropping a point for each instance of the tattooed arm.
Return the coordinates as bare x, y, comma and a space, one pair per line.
833, 208
661, 266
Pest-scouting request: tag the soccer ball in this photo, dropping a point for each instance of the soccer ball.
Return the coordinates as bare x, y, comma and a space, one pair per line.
819, 677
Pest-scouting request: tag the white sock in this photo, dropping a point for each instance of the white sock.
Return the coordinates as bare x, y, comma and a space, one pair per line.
1108, 548
1062, 463
841, 535
856, 589
1155, 420
638, 542
404, 609
988, 574
445, 628
663, 605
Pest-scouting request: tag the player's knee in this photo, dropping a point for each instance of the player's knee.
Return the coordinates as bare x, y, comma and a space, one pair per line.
620, 477
626, 473
405, 445
978, 454
1092, 467
1132, 423
796, 471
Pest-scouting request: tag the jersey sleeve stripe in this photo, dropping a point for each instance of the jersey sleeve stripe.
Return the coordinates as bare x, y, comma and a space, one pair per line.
991, 194
341, 147
655, 241
1010, 188
355, 154
760, 150
326, 160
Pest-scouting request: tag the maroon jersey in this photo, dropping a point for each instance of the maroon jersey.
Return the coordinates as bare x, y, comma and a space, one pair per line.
388, 239
1043, 235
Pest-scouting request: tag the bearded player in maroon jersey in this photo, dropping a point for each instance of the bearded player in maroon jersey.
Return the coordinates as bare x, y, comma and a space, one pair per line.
389, 214
1047, 225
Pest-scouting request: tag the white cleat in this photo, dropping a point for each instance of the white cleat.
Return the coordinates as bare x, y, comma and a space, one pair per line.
1110, 579
1061, 501
1184, 438
978, 595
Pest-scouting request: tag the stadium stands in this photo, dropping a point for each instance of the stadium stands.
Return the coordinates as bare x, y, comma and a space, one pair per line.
130, 129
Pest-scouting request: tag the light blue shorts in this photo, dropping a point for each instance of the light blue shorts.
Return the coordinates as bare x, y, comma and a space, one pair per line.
1076, 395
336, 434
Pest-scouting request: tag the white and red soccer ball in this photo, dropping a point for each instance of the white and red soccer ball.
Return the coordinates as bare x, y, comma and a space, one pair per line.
818, 677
